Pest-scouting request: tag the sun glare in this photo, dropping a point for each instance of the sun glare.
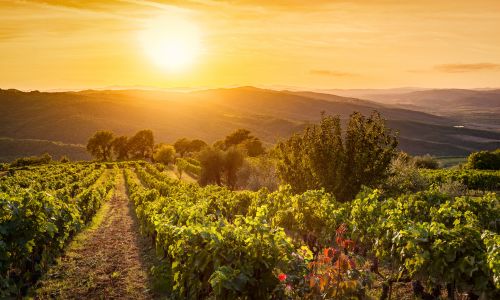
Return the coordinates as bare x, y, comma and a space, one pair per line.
172, 43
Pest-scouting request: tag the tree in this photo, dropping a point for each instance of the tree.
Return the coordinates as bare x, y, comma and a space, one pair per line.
197, 145
165, 154
323, 156
219, 145
237, 137
120, 147
243, 138
484, 160
141, 145
233, 161
182, 146
253, 147
212, 166
99, 145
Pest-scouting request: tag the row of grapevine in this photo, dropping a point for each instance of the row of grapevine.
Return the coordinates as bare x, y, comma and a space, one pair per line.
429, 238
473, 179
188, 165
40, 211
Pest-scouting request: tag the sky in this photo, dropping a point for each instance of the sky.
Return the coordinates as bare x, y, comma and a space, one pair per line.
72, 44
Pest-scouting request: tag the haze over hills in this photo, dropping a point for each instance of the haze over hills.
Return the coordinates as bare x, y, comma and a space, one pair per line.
71, 117
476, 108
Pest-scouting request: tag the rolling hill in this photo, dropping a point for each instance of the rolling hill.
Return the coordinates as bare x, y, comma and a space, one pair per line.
478, 108
71, 117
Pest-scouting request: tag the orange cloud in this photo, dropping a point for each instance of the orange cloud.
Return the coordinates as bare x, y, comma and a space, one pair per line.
462, 68
330, 73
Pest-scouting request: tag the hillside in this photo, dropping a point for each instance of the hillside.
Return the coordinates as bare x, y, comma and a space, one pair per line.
71, 117
479, 108
11, 149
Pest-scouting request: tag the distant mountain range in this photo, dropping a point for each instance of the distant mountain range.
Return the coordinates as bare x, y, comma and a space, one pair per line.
70, 118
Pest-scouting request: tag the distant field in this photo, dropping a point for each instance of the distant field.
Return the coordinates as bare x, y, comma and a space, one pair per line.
11, 149
451, 161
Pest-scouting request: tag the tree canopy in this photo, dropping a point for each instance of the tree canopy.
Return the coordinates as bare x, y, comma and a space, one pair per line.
164, 154
484, 160
141, 145
99, 145
324, 156
243, 139
120, 147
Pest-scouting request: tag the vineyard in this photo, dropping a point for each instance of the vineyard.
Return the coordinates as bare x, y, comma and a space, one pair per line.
217, 243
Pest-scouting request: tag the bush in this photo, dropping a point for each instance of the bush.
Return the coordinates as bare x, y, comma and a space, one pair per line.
404, 177
165, 154
32, 160
484, 160
4, 167
64, 159
426, 162
257, 173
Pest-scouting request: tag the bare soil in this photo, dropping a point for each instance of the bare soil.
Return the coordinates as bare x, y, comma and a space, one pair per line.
109, 260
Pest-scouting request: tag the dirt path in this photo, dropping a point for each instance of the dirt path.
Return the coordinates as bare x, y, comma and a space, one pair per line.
109, 260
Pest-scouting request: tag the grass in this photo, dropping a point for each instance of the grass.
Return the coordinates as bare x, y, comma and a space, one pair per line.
451, 161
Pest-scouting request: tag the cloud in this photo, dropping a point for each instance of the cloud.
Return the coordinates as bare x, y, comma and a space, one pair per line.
330, 73
462, 68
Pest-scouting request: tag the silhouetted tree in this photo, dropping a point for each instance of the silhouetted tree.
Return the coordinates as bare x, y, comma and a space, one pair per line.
243, 139
219, 145
120, 147
233, 161
164, 154
324, 157
253, 147
212, 166
99, 145
237, 138
197, 145
141, 145
182, 146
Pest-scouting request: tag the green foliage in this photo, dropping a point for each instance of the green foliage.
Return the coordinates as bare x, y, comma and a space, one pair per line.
40, 211
184, 146
64, 159
233, 160
404, 177
472, 179
426, 162
164, 154
99, 145
187, 165
212, 166
324, 157
32, 161
120, 147
258, 172
484, 160
211, 250
243, 139
141, 145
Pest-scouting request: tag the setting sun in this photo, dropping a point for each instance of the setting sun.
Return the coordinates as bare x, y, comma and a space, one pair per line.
171, 43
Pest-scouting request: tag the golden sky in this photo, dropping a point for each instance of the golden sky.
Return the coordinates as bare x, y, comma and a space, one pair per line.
72, 44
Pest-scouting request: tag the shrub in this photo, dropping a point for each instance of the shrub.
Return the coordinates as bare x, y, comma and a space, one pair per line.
32, 160
484, 160
426, 162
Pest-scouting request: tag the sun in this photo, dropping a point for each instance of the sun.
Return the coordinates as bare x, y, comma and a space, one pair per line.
172, 43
